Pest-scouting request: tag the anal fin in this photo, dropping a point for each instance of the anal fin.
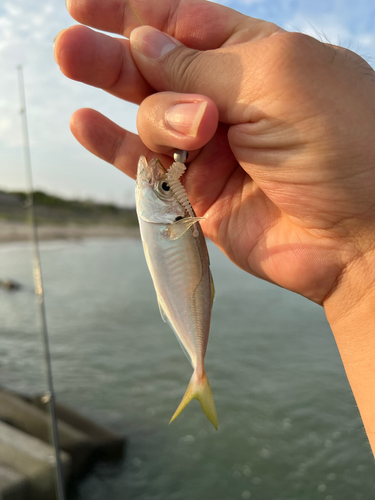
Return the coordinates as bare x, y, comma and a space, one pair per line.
165, 318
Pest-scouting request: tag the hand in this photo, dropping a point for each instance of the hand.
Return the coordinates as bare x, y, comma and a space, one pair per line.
287, 177
280, 132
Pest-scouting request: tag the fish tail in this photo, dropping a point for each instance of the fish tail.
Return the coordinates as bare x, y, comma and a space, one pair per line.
199, 388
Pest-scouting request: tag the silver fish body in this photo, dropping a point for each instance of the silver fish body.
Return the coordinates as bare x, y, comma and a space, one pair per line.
177, 257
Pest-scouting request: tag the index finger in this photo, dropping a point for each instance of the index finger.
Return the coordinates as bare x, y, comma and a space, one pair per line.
196, 23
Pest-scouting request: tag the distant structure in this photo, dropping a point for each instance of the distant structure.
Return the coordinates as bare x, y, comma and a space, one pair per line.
10, 285
9, 199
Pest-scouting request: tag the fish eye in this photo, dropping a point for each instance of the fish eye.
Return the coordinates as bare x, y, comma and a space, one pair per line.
163, 190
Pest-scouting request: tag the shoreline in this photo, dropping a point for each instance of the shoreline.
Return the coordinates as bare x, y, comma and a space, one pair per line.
18, 231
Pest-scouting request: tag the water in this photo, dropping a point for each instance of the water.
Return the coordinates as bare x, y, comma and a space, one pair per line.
288, 425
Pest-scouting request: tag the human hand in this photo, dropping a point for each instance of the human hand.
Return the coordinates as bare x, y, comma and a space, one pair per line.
282, 156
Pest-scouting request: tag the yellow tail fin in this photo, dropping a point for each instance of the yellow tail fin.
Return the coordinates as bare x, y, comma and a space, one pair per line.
199, 388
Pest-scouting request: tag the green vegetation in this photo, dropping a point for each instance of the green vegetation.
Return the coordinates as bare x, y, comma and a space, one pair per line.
52, 209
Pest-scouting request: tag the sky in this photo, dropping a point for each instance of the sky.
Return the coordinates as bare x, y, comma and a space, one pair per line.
60, 164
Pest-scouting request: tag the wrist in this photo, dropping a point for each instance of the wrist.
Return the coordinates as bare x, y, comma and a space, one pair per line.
352, 300
350, 311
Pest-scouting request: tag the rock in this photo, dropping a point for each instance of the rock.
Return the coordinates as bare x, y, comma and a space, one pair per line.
28, 418
84, 440
109, 444
10, 285
13, 485
33, 459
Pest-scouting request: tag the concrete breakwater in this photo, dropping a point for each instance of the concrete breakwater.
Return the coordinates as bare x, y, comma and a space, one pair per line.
27, 459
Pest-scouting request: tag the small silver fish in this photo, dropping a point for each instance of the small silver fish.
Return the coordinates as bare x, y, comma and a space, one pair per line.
177, 257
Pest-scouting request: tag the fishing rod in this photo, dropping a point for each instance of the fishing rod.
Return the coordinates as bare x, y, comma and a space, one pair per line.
49, 397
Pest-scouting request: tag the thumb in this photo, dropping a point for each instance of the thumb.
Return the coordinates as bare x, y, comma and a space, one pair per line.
168, 65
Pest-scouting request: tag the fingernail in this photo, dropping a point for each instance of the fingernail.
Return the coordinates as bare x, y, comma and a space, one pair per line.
152, 42
186, 117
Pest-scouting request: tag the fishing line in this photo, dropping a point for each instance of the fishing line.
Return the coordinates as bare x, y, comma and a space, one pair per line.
49, 397
135, 12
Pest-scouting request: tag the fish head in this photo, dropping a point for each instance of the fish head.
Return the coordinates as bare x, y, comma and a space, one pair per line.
154, 199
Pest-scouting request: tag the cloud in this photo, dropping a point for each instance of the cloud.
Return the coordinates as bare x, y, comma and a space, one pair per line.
27, 32
335, 28
340, 22
343, 22
60, 164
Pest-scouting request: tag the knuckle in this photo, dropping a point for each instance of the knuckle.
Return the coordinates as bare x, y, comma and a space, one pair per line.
185, 68
296, 48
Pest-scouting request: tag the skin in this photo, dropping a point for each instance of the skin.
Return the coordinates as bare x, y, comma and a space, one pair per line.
282, 162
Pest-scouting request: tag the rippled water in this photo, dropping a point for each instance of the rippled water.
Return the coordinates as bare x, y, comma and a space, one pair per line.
289, 427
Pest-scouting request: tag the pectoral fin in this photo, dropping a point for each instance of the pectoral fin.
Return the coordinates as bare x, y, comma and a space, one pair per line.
178, 228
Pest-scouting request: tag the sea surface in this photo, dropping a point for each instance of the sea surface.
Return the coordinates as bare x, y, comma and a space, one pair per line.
289, 428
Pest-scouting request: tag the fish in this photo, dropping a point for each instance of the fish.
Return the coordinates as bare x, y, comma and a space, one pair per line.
177, 257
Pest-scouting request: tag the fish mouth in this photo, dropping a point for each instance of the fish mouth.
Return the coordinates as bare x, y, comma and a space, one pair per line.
149, 173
